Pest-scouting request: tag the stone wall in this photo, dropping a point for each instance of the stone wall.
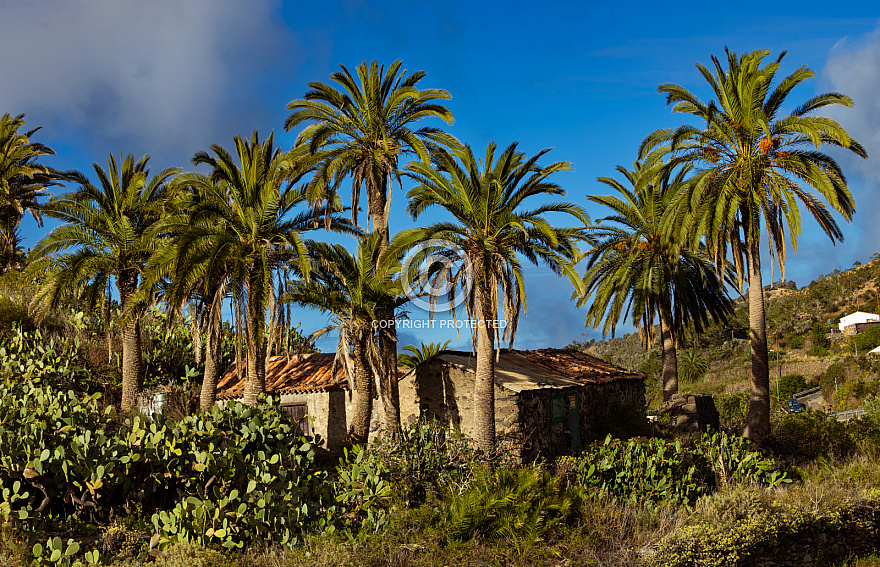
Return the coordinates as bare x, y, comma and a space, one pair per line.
331, 413
856, 533
445, 392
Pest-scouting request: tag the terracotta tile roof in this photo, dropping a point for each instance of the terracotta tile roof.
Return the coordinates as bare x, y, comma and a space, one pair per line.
579, 366
304, 373
520, 370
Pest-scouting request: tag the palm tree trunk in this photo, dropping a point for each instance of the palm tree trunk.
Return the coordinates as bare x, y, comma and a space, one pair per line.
132, 357
390, 392
363, 387
256, 350
212, 357
670, 358
388, 340
196, 332
758, 418
484, 383
107, 333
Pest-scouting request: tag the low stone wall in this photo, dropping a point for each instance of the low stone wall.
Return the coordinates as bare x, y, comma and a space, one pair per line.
445, 392
854, 533
793, 539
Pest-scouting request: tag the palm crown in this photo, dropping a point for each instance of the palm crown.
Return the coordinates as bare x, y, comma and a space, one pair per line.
751, 164
638, 269
362, 129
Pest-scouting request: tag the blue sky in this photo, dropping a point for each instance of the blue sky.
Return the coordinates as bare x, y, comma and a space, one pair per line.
168, 79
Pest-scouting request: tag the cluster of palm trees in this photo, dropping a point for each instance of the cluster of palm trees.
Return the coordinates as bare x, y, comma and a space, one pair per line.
694, 202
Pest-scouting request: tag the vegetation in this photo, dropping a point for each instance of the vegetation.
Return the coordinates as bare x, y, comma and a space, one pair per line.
87, 480
23, 182
416, 355
358, 295
639, 266
750, 168
109, 232
491, 230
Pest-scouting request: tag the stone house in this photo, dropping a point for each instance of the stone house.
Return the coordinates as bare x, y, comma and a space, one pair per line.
547, 402
307, 386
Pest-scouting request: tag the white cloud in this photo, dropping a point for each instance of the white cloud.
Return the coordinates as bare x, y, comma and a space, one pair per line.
162, 77
853, 68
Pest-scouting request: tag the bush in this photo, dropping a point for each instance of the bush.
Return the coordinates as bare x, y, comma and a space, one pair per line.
732, 410
692, 366
810, 435
867, 340
654, 472
790, 384
732, 528
514, 505
426, 458
227, 477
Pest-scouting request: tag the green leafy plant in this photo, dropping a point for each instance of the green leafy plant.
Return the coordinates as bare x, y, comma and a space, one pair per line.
692, 366
512, 505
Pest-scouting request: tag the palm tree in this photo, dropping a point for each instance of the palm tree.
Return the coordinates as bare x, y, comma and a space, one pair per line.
189, 277
751, 164
358, 296
416, 355
493, 231
360, 131
197, 275
639, 270
239, 229
108, 232
23, 181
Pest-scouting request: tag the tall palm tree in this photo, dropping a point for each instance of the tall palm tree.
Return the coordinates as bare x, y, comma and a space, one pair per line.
751, 164
637, 269
359, 130
190, 278
241, 229
493, 230
23, 181
358, 296
108, 232
196, 273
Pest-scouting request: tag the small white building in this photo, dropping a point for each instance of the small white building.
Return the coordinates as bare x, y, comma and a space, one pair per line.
857, 318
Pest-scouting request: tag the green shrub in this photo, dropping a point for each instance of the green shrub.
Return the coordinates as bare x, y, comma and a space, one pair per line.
818, 343
791, 384
654, 472
227, 477
363, 488
191, 555
811, 435
732, 459
640, 471
692, 366
426, 458
513, 505
732, 410
731, 527
867, 340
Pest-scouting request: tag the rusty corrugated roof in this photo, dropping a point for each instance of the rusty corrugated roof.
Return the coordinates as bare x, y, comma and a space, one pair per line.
520, 370
301, 374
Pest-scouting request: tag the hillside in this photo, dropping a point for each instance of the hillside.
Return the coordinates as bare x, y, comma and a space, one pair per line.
799, 322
